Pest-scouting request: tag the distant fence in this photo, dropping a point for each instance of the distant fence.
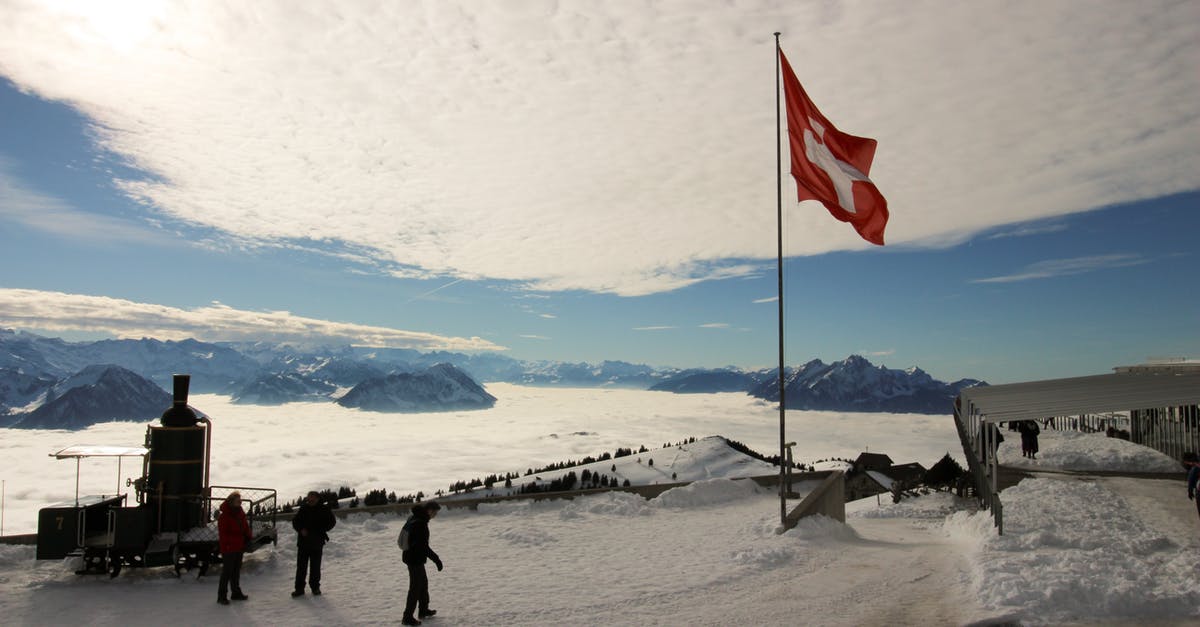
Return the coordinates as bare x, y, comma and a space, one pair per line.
827, 497
1172, 431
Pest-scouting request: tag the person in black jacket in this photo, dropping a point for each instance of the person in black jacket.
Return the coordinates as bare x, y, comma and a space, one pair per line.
1029, 437
312, 523
414, 542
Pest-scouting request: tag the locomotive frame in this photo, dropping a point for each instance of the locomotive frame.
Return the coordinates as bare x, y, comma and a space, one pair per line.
174, 520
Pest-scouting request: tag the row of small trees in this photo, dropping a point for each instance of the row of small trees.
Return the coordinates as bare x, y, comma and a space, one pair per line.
491, 480
333, 498
588, 479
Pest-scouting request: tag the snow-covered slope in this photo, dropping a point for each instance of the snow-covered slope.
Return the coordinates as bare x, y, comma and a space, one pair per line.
695, 460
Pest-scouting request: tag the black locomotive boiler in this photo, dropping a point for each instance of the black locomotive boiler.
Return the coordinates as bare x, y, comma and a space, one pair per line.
173, 521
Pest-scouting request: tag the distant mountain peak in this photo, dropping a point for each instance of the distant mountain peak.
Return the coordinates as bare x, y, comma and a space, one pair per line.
441, 387
98, 393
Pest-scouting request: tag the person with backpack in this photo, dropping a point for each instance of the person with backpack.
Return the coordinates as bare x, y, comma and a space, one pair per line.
312, 523
414, 544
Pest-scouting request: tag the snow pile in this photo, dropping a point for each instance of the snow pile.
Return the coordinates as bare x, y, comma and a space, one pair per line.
1074, 450
1076, 550
936, 505
709, 492
607, 504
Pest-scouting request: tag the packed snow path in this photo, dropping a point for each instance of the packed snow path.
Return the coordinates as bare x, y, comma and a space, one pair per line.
1077, 551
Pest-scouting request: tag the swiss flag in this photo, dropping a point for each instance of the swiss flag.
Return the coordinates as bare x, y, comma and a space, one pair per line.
831, 166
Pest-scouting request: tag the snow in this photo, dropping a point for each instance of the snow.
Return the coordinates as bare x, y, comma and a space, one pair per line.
1077, 550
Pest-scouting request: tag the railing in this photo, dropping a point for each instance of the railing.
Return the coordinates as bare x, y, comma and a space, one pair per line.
261, 512
1172, 431
828, 498
979, 444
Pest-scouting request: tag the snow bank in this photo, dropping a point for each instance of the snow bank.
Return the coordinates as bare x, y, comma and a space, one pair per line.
1058, 560
1073, 450
936, 505
707, 492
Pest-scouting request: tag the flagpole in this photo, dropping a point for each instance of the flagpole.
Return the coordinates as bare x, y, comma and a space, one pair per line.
779, 274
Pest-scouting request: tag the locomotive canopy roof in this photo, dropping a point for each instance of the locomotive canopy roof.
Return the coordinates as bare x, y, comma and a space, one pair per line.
100, 451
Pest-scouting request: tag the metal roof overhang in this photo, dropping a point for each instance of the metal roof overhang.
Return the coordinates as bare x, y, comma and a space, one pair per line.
100, 451
1082, 395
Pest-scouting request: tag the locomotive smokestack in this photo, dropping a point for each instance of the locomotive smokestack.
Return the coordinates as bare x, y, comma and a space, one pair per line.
179, 414
181, 389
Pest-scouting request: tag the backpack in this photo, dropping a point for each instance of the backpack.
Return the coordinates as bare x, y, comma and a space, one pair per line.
402, 540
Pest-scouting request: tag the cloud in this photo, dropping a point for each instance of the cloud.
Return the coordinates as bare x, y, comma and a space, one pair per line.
1064, 267
653, 328
611, 147
715, 325
57, 311
1026, 230
534, 337
21, 205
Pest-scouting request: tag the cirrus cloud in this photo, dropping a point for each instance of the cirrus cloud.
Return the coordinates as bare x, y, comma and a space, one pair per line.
610, 147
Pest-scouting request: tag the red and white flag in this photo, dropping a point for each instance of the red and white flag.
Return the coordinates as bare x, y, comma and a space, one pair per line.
831, 166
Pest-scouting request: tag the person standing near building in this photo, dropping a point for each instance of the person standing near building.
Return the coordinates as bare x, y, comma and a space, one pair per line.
312, 523
414, 544
1029, 438
233, 536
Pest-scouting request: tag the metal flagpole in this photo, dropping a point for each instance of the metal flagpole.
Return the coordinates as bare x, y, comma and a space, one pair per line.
779, 272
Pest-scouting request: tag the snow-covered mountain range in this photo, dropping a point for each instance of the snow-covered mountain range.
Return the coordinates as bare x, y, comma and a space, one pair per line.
99, 393
35, 370
855, 384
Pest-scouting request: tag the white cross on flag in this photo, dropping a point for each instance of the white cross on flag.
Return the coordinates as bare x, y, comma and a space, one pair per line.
831, 166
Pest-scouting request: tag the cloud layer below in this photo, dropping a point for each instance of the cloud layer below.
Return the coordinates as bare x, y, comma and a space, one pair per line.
612, 147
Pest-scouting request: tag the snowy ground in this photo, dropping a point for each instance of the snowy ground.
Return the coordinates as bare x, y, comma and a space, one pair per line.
1076, 550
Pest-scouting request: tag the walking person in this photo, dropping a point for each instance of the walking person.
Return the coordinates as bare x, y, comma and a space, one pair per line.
414, 542
233, 536
1029, 438
312, 523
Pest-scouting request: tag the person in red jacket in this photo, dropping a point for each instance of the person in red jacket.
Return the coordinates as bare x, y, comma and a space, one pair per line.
233, 531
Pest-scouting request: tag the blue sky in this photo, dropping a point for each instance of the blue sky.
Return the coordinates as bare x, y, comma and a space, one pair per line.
580, 183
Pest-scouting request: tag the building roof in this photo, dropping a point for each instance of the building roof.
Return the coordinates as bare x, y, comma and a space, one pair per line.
873, 460
1121, 391
908, 472
883, 480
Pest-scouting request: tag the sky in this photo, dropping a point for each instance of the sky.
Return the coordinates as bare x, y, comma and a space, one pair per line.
1077, 549
581, 181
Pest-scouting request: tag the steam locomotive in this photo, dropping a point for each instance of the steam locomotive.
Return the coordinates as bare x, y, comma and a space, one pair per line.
174, 519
